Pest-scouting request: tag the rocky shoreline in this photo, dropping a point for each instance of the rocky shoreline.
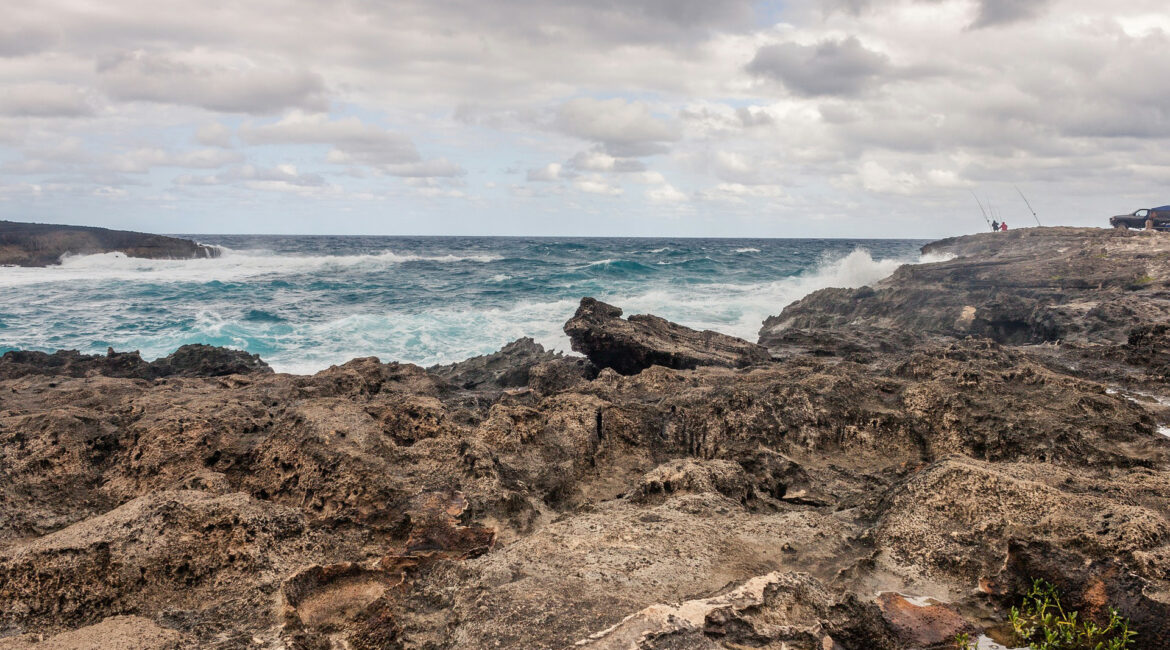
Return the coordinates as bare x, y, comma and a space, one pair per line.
887, 467
41, 244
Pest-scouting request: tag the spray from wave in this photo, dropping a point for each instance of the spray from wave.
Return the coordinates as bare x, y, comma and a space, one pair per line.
740, 309
229, 266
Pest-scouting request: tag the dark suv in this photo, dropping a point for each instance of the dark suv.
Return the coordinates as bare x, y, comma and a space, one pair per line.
1161, 217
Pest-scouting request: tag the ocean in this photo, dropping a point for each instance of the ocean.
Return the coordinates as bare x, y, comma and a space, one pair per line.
304, 303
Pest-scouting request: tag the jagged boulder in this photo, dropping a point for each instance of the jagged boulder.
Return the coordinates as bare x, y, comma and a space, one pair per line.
629, 346
194, 360
71, 363
199, 360
514, 366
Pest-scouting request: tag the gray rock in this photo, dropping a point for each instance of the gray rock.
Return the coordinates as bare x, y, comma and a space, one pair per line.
632, 345
1085, 285
513, 366
194, 360
42, 244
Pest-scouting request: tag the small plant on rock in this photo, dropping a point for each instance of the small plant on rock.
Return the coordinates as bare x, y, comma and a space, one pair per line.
963, 642
1041, 622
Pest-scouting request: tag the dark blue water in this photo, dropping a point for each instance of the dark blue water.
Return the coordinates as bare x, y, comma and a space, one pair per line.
304, 303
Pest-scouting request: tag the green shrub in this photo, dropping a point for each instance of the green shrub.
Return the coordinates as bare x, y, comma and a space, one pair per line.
1041, 622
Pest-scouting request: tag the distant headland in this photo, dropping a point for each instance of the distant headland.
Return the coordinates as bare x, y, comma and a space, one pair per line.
42, 244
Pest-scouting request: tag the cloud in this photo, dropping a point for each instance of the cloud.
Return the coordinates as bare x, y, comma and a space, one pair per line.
41, 99
877, 178
739, 193
830, 67
599, 161
350, 134
1002, 12
594, 184
143, 160
750, 116
897, 101
354, 143
665, 194
738, 168
62, 155
988, 12
622, 128
214, 135
24, 39
605, 22
548, 174
283, 178
224, 83
437, 168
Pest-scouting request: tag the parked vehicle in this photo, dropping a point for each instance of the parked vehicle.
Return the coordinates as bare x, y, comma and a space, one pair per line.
1161, 216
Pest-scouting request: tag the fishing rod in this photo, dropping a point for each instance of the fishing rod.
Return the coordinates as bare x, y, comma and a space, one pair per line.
980, 203
1029, 205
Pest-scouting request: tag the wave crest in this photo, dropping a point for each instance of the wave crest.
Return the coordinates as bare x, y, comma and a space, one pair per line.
230, 265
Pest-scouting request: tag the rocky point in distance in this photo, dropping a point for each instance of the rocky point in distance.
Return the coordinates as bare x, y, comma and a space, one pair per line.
887, 468
41, 244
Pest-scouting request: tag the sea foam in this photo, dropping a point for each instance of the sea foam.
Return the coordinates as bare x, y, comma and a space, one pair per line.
230, 265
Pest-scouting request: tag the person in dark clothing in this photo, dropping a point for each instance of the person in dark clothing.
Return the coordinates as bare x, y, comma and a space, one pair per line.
994, 226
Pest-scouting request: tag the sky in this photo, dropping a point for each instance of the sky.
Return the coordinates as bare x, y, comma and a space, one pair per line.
802, 118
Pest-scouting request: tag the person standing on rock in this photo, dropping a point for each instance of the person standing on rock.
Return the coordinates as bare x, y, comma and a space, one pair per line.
994, 226
1003, 227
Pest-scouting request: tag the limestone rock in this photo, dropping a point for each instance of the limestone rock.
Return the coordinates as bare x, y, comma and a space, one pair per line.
1024, 286
526, 500
632, 345
194, 360
114, 633
517, 364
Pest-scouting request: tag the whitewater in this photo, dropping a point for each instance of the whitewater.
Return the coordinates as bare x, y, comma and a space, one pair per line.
305, 303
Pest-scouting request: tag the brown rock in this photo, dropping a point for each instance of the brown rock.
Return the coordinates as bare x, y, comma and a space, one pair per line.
789, 610
382, 505
917, 625
1024, 286
114, 633
630, 346
195, 360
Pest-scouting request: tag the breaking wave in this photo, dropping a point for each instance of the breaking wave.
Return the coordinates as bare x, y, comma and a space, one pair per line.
231, 265
305, 305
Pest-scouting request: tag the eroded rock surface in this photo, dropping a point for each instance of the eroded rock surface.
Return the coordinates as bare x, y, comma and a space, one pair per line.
1019, 287
114, 633
517, 364
886, 489
195, 360
628, 346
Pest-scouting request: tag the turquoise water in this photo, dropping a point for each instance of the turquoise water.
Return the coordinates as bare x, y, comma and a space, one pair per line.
304, 303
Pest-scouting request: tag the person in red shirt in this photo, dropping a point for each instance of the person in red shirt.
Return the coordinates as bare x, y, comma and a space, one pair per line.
1003, 227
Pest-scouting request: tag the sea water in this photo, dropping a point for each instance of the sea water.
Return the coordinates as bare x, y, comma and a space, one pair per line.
305, 303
